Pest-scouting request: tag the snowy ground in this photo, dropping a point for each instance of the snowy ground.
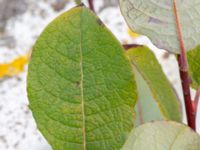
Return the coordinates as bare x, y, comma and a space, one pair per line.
17, 128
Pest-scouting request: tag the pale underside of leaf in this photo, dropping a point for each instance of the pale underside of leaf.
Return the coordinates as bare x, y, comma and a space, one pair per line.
152, 83
81, 86
194, 66
155, 18
147, 109
162, 135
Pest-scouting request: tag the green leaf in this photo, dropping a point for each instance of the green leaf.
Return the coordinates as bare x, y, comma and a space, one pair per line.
155, 92
156, 19
164, 135
81, 86
194, 66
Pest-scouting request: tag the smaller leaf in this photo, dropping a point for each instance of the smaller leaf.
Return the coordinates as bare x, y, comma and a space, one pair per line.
194, 66
156, 19
165, 135
157, 99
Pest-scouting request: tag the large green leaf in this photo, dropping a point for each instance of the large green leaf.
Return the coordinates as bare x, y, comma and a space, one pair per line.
81, 86
162, 136
155, 92
194, 66
155, 18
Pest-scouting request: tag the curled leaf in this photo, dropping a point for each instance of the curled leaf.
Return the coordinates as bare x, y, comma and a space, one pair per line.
157, 99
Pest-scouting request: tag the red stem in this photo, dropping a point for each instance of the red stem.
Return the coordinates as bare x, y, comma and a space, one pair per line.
91, 5
128, 46
183, 67
190, 111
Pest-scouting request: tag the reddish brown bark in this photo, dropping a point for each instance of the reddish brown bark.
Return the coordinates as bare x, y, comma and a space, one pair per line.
190, 112
184, 75
128, 46
91, 5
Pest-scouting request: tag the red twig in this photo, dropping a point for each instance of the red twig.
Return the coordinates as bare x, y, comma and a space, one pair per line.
182, 59
190, 112
91, 5
128, 46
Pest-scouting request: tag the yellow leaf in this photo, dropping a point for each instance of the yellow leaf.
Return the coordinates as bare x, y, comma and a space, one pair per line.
132, 34
14, 67
3, 70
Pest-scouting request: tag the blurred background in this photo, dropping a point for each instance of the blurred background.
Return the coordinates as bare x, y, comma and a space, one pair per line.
21, 22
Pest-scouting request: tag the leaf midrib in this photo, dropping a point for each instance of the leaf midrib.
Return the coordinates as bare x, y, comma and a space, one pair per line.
81, 84
175, 138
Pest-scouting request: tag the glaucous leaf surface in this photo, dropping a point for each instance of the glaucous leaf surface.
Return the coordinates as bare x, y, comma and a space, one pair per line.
147, 109
194, 66
155, 18
81, 85
165, 135
157, 87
